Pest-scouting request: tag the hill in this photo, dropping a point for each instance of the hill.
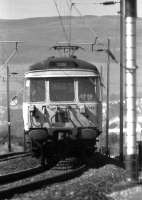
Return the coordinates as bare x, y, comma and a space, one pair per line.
40, 34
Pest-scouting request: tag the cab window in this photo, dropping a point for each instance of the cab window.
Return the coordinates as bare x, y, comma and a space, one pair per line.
37, 90
87, 89
61, 89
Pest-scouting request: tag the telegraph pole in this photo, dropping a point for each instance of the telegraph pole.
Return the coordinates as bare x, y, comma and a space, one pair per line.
130, 25
8, 111
7, 87
107, 103
109, 55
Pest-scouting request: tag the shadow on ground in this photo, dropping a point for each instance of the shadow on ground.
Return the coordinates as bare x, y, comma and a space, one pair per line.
99, 160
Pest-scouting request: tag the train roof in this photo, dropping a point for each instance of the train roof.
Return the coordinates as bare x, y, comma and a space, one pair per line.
63, 63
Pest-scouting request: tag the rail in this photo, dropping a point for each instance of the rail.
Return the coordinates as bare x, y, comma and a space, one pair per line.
10, 190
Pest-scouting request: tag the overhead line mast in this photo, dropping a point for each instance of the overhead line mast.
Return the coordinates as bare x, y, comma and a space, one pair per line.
130, 70
121, 153
9, 58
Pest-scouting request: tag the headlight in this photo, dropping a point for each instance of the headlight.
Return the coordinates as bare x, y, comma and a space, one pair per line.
82, 109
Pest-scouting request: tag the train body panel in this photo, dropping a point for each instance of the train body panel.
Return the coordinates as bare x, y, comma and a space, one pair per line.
77, 116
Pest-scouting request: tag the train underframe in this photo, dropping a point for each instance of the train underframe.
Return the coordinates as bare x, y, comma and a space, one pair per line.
57, 144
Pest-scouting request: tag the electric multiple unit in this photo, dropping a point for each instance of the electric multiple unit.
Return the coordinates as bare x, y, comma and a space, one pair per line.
62, 108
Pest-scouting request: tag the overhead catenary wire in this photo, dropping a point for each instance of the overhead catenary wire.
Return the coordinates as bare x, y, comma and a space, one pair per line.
61, 20
70, 31
92, 31
79, 12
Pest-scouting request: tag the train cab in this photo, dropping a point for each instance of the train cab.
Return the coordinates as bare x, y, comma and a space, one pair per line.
62, 103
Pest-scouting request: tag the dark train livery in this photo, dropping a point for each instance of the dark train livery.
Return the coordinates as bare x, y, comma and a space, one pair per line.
62, 108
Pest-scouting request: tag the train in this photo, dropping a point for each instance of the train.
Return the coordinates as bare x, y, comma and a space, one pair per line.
62, 107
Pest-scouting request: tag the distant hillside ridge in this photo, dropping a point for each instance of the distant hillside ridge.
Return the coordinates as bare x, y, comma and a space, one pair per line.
67, 17
57, 18
39, 34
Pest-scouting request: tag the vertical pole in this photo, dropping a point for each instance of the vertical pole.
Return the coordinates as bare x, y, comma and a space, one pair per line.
7, 90
24, 142
101, 87
101, 72
131, 153
107, 111
8, 112
121, 80
70, 27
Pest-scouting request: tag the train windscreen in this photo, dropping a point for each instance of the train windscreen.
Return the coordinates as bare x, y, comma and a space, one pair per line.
35, 90
61, 89
88, 89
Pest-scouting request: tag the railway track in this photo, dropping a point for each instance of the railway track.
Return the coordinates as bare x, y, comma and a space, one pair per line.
35, 178
11, 177
14, 155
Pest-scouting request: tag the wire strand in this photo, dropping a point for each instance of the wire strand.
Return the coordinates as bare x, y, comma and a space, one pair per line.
79, 12
61, 21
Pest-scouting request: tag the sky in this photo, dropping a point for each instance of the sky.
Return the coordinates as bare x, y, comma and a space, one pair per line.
17, 9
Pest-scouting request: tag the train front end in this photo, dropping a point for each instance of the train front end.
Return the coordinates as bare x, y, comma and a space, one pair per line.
62, 109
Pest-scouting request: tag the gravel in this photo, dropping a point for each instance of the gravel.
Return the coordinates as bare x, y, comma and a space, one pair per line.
132, 193
14, 165
94, 184
99, 182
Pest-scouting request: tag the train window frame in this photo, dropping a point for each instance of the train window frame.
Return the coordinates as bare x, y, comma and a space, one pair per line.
62, 101
27, 89
96, 90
